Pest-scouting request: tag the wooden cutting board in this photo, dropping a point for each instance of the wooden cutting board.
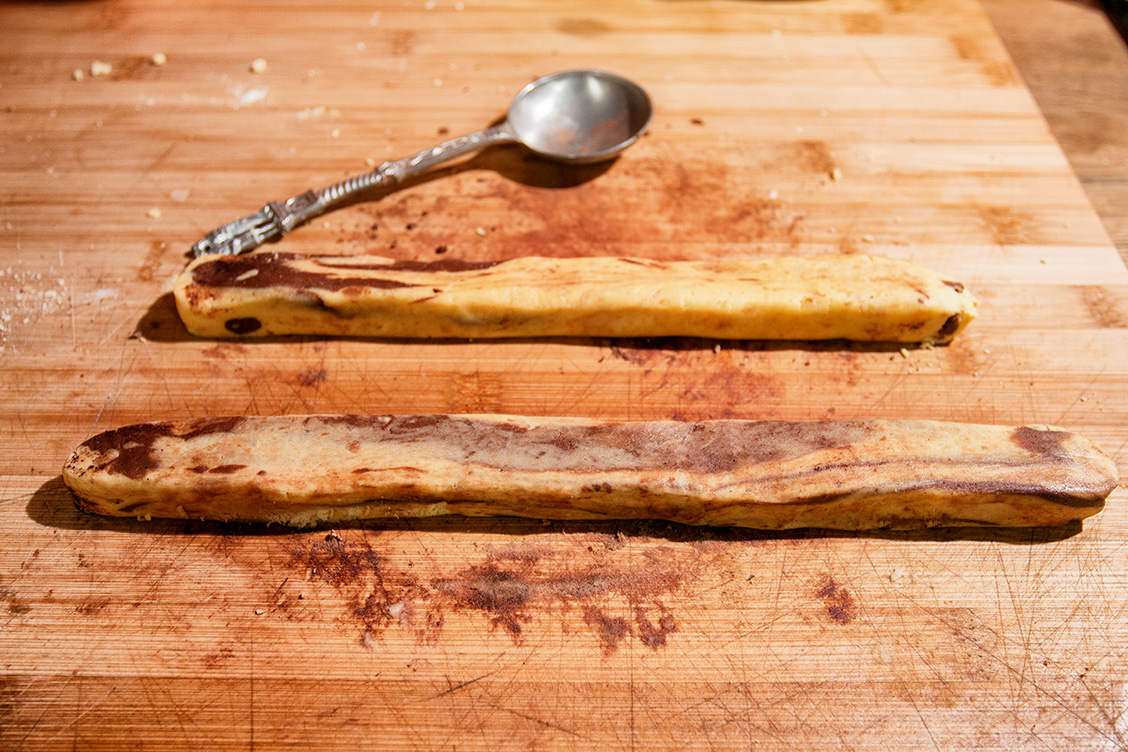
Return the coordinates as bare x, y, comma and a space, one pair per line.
845, 126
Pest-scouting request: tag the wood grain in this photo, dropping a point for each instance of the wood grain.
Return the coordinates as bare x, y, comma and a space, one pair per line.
496, 634
1071, 57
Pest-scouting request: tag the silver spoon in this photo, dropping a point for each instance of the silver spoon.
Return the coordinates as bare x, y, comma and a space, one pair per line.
579, 117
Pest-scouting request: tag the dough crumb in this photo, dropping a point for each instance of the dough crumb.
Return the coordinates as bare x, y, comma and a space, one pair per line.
158, 58
836, 174
258, 65
78, 75
153, 213
98, 68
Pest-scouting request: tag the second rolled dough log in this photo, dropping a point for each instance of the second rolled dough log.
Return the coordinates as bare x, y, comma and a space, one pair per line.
852, 297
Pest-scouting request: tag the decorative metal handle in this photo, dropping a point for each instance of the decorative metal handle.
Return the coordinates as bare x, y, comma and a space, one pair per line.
278, 218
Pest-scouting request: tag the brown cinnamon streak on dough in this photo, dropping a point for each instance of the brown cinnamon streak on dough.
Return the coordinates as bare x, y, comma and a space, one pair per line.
705, 448
443, 265
1075, 498
257, 271
128, 451
1046, 441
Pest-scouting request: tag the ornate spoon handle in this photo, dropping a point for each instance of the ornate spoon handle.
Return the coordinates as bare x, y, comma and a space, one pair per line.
278, 218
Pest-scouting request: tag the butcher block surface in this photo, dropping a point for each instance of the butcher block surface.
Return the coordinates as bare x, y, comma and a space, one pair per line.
806, 128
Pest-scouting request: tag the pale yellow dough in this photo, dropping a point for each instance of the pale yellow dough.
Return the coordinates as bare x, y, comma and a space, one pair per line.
851, 297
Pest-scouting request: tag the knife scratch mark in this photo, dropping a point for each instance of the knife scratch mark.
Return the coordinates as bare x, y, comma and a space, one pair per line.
1056, 698
74, 326
873, 66
631, 691
923, 719
1116, 455
898, 379
462, 685
73, 722
1080, 395
115, 391
941, 617
251, 687
1022, 629
274, 597
152, 166
542, 722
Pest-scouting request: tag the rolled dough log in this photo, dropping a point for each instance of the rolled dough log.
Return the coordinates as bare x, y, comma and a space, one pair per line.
850, 297
850, 475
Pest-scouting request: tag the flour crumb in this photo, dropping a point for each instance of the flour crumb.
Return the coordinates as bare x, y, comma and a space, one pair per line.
312, 112
898, 574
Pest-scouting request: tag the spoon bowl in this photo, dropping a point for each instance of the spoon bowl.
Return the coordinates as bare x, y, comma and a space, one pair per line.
580, 116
